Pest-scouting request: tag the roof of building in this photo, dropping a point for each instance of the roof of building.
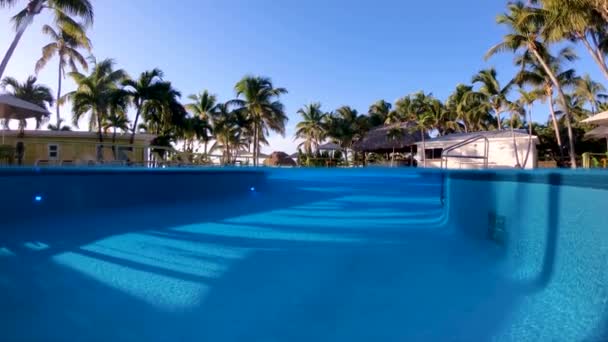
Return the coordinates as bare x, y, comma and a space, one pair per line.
378, 140
330, 147
598, 119
502, 134
76, 134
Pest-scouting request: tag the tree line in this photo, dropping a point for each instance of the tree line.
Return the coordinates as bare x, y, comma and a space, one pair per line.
541, 35
537, 33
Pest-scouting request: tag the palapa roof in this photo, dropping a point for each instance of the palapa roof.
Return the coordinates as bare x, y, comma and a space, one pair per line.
378, 140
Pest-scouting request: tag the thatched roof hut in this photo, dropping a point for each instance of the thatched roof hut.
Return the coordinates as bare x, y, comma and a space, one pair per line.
377, 140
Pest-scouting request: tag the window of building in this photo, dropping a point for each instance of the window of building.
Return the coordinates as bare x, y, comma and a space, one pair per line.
433, 153
53, 151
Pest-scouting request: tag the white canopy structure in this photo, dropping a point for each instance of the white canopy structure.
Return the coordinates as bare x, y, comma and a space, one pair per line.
13, 108
600, 119
600, 132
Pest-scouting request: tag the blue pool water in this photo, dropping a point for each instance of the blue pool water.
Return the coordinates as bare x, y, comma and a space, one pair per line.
303, 255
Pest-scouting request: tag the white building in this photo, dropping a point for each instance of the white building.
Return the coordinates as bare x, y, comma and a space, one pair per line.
501, 150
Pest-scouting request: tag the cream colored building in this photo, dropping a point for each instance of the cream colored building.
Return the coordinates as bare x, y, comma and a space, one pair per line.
71, 148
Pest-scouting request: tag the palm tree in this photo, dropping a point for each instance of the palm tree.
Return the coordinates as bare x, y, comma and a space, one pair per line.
532, 73
590, 91
494, 92
462, 104
116, 121
203, 106
312, 127
579, 20
64, 45
394, 134
526, 99
147, 87
261, 102
195, 128
95, 93
62, 10
29, 91
526, 24
423, 124
346, 126
440, 117
164, 114
379, 113
230, 137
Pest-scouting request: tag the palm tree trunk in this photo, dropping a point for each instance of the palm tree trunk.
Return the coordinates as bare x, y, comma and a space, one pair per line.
515, 149
558, 136
564, 102
594, 53
132, 140
20, 31
255, 142
100, 136
497, 111
529, 139
59, 95
423, 149
114, 143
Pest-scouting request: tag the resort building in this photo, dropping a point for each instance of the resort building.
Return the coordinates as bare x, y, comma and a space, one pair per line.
71, 148
475, 150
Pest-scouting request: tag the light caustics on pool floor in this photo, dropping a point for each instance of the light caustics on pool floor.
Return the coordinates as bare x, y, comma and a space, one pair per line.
326, 266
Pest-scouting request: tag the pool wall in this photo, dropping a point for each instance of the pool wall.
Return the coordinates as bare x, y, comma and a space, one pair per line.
552, 228
38, 193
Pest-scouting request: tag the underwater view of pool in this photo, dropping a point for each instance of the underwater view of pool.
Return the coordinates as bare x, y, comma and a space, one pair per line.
303, 255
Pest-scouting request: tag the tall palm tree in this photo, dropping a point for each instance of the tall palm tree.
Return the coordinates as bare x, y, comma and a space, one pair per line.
148, 87
61, 9
95, 93
29, 91
533, 74
525, 25
379, 112
203, 106
581, 21
590, 91
494, 92
526, 99
260, 100
312, 127
64, 44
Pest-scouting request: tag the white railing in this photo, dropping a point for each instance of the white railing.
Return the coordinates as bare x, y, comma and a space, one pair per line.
445, 155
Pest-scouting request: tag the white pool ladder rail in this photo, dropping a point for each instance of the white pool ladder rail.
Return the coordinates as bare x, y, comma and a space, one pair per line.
445, 155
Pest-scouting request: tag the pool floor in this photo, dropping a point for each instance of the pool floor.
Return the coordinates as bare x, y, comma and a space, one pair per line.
320, 266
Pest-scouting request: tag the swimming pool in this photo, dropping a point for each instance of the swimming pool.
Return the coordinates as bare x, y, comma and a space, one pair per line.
303, 255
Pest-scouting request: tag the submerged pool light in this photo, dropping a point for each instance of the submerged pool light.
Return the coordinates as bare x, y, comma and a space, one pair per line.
38, 198
252, 189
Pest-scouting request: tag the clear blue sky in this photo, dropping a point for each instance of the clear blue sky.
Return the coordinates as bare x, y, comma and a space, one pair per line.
335, 52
